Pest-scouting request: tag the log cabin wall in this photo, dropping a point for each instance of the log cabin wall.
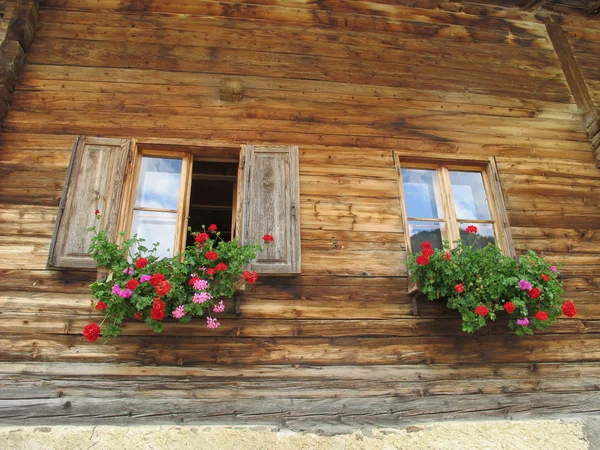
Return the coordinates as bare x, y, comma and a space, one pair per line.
349, 83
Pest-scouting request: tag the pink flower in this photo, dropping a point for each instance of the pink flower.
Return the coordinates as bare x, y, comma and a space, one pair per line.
145, 278
220, 307
553, 269
200, 284
125, 293
212, 323
201, 297
525, 285
116, 289
179, 312
523, 322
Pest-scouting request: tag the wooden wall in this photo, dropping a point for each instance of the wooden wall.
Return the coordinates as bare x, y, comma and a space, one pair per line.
349, 82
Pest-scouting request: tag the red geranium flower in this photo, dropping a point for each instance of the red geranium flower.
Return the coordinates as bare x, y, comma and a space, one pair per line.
156, 279
137, 316
158, 309
91, 332
541, 316
132, 284
210, 271
481, 310
212, 255
250, 277
459, 288
212, 228
471, 229
427, 252
568, 309
267, 238
141, 263
193, 280
97, 212
201, 238
425, 244
545, 277
163, 288
422, 260
221, 266
509, 307
534, 292
447, 256
101, 306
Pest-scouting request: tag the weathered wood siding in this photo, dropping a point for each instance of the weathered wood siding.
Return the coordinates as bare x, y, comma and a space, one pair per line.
348, 82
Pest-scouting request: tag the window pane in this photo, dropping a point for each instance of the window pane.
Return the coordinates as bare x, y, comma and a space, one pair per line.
469, 195
483, 237
158, 186
422, 193
434, 232
156, 227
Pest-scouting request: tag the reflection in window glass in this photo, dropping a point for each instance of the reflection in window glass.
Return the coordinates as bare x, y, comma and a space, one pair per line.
156, 227
159, 182
422, 193
469, 195
483, 237
420, 232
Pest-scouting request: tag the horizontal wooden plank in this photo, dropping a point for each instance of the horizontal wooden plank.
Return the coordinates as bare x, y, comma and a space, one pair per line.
273, 373
212, 32
27, 220
49, 77
330, 351
27, 324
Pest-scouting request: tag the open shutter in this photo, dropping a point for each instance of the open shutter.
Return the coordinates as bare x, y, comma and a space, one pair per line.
271, 205
94, 182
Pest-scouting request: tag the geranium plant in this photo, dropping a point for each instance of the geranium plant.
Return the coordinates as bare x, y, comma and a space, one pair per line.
483, 284
141, 286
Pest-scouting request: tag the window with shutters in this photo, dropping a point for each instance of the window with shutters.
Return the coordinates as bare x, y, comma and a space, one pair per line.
441, 199
158, 190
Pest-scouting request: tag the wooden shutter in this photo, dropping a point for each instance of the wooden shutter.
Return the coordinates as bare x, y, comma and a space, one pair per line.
94, 182
271, 205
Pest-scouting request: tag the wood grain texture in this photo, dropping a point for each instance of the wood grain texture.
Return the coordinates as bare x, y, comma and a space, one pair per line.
349, 83
94, 183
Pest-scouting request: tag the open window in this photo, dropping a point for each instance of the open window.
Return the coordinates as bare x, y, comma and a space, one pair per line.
441, 199
157, 190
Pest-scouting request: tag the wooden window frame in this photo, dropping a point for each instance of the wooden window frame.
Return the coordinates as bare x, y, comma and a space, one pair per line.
493, 192
493, 189
188, 153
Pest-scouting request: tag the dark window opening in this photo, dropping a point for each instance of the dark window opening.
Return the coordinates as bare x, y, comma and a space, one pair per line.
213, 197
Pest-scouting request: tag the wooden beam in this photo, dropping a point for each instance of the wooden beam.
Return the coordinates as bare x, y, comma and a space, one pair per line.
577, 85
593, 10
530, 5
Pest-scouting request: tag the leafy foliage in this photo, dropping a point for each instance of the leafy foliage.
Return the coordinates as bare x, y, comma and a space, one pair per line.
141, 286
483, 284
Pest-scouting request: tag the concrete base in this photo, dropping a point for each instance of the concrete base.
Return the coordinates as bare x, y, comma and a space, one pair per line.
490, 435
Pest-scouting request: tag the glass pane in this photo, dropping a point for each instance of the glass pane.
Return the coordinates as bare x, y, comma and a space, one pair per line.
422, 193
483, 237
469, 196
156, 227
434, 232
158, 186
